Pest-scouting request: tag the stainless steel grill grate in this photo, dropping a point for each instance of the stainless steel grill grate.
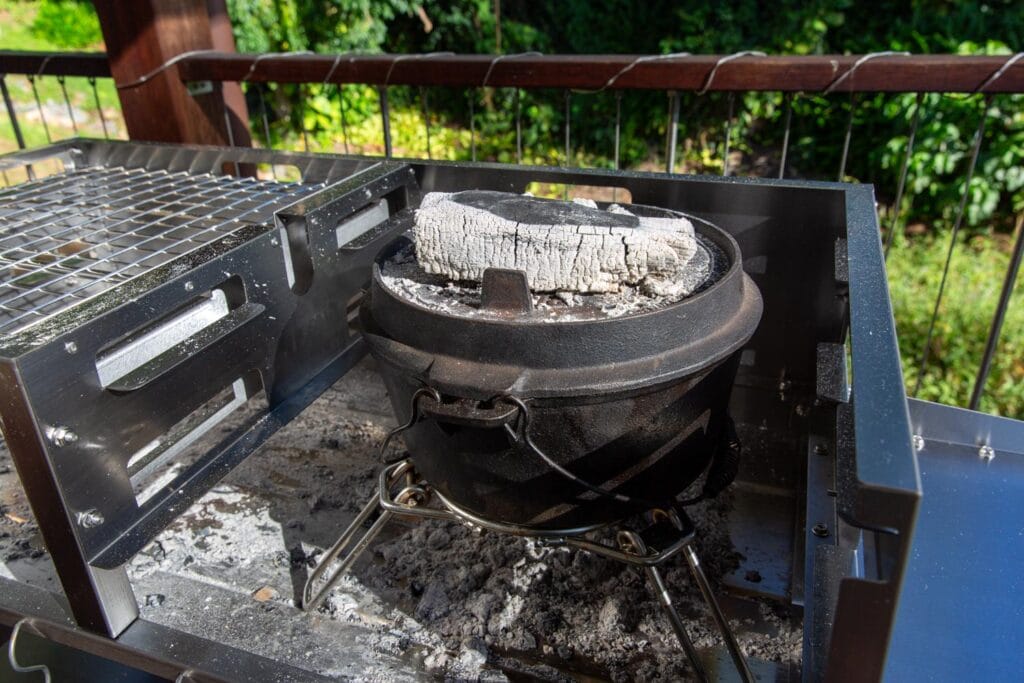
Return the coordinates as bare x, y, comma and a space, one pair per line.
69, 237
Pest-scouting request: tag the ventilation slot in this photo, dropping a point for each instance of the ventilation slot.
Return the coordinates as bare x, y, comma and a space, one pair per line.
157, 464
143, 347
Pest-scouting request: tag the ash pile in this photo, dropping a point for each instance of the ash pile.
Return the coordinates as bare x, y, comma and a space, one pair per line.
557, 613
432, 597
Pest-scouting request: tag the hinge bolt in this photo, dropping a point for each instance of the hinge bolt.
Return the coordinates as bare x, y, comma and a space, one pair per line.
90, 519
62, 436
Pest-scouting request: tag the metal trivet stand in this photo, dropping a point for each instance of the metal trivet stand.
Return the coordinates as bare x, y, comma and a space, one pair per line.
403, 493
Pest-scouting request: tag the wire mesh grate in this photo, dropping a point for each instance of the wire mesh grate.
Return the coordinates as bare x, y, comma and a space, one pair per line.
71, 236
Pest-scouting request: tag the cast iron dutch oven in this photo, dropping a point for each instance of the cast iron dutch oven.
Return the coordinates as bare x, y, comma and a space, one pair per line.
560, 425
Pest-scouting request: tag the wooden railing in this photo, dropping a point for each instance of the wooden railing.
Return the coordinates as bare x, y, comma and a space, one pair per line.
847, 73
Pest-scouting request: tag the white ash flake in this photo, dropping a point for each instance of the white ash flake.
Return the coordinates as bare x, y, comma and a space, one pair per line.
562, 246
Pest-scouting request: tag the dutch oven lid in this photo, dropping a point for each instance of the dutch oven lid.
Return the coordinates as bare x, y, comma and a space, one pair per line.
483, 357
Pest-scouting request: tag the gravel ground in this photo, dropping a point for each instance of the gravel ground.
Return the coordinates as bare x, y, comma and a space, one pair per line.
430, 598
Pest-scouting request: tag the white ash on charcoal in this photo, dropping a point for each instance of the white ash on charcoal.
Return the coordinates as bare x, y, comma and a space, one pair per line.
562, 246
620, 264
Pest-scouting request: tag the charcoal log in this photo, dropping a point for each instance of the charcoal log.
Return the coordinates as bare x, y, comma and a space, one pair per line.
562, 246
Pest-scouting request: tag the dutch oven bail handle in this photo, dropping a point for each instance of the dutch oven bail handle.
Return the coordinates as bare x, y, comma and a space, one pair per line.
427, 403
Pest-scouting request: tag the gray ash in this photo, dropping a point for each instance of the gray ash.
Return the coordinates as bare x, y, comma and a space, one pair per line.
543, 611
429, 597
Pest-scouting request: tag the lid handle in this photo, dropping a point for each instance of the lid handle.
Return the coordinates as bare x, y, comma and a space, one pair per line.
506, 291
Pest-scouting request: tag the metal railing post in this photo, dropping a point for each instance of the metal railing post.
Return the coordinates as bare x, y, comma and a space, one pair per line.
902, 184
11, 113
426, 118
728, 134
385, 118
787, 99
846, 138
975, 148
998, 317
568, 127
99, 107
672, 132
519, 129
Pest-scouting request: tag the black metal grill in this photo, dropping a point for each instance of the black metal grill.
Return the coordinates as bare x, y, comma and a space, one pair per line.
826, 502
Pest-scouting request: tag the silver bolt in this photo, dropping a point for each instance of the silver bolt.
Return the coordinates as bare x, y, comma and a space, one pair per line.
189, 286
71, 347
62, 436
274, 241
90, 519
918, 442
820, 530
986, 453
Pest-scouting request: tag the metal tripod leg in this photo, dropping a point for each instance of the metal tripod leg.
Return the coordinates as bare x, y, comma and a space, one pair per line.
632, 544
654, 576
311, 601
709, 597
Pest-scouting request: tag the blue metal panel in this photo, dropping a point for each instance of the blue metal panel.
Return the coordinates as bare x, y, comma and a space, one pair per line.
961, 612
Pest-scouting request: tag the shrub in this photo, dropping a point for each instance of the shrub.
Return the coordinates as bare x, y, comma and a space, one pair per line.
67, 23
972, 291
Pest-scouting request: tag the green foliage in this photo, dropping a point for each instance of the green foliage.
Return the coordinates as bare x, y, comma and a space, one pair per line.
972, 292
325, 26
69, 24
789, 27
880, 122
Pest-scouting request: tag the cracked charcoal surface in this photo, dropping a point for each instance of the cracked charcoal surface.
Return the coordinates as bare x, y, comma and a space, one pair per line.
404, 276
562, 246
428, 599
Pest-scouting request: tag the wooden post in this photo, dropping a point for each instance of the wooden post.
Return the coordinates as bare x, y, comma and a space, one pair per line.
141, 36
234, 98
